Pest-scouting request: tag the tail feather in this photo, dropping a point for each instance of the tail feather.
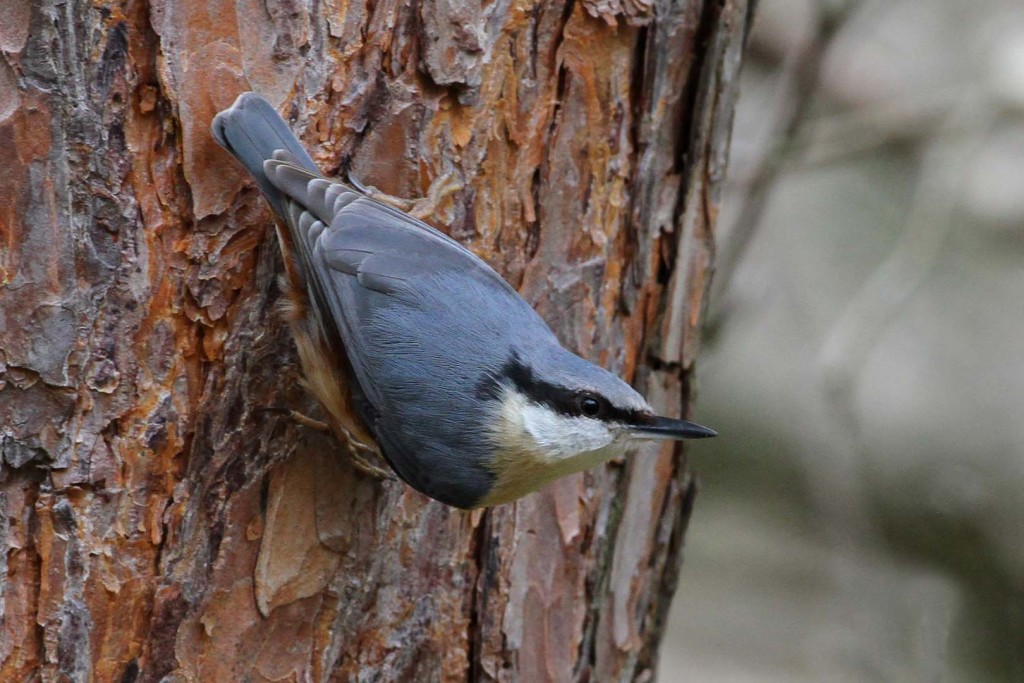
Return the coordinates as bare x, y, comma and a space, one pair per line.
252, 131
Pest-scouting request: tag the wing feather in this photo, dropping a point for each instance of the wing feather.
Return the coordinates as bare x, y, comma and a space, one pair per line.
406, 302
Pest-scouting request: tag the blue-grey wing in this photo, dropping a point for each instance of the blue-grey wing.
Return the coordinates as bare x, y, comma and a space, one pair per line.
411, 306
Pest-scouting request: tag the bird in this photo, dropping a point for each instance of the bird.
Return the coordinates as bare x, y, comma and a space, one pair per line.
421, 352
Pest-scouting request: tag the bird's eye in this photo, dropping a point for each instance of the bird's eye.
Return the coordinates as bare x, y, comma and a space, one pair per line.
589, 405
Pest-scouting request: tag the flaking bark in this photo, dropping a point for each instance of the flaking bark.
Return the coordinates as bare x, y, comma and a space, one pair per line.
156, 519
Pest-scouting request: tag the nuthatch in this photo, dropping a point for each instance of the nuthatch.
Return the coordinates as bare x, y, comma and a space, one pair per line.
471, 398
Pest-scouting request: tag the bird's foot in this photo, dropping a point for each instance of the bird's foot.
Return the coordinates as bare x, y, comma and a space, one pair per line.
359, 451
307, 421
421, 208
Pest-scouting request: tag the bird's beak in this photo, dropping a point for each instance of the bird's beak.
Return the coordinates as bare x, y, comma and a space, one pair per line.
667, 428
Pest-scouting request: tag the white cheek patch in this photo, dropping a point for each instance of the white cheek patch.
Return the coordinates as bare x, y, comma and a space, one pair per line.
561, 437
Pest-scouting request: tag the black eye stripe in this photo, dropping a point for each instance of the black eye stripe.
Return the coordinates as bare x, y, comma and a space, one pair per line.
559, 399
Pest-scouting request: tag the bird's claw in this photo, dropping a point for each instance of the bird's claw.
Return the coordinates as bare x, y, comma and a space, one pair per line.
420, 208
356, 448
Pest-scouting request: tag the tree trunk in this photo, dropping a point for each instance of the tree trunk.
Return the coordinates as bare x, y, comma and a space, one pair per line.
159, 517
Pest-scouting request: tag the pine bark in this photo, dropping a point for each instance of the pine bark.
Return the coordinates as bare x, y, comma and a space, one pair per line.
160, 519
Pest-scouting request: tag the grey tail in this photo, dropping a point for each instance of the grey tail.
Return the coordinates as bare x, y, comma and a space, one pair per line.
252, 131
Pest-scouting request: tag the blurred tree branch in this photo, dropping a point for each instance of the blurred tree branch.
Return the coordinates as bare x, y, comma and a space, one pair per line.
799, 85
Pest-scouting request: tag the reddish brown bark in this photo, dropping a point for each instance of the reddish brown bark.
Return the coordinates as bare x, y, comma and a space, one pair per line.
156, 520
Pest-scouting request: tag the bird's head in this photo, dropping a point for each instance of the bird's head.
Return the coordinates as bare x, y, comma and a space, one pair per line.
550, 419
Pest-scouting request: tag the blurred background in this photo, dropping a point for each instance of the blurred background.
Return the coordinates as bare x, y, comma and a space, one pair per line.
861, 518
